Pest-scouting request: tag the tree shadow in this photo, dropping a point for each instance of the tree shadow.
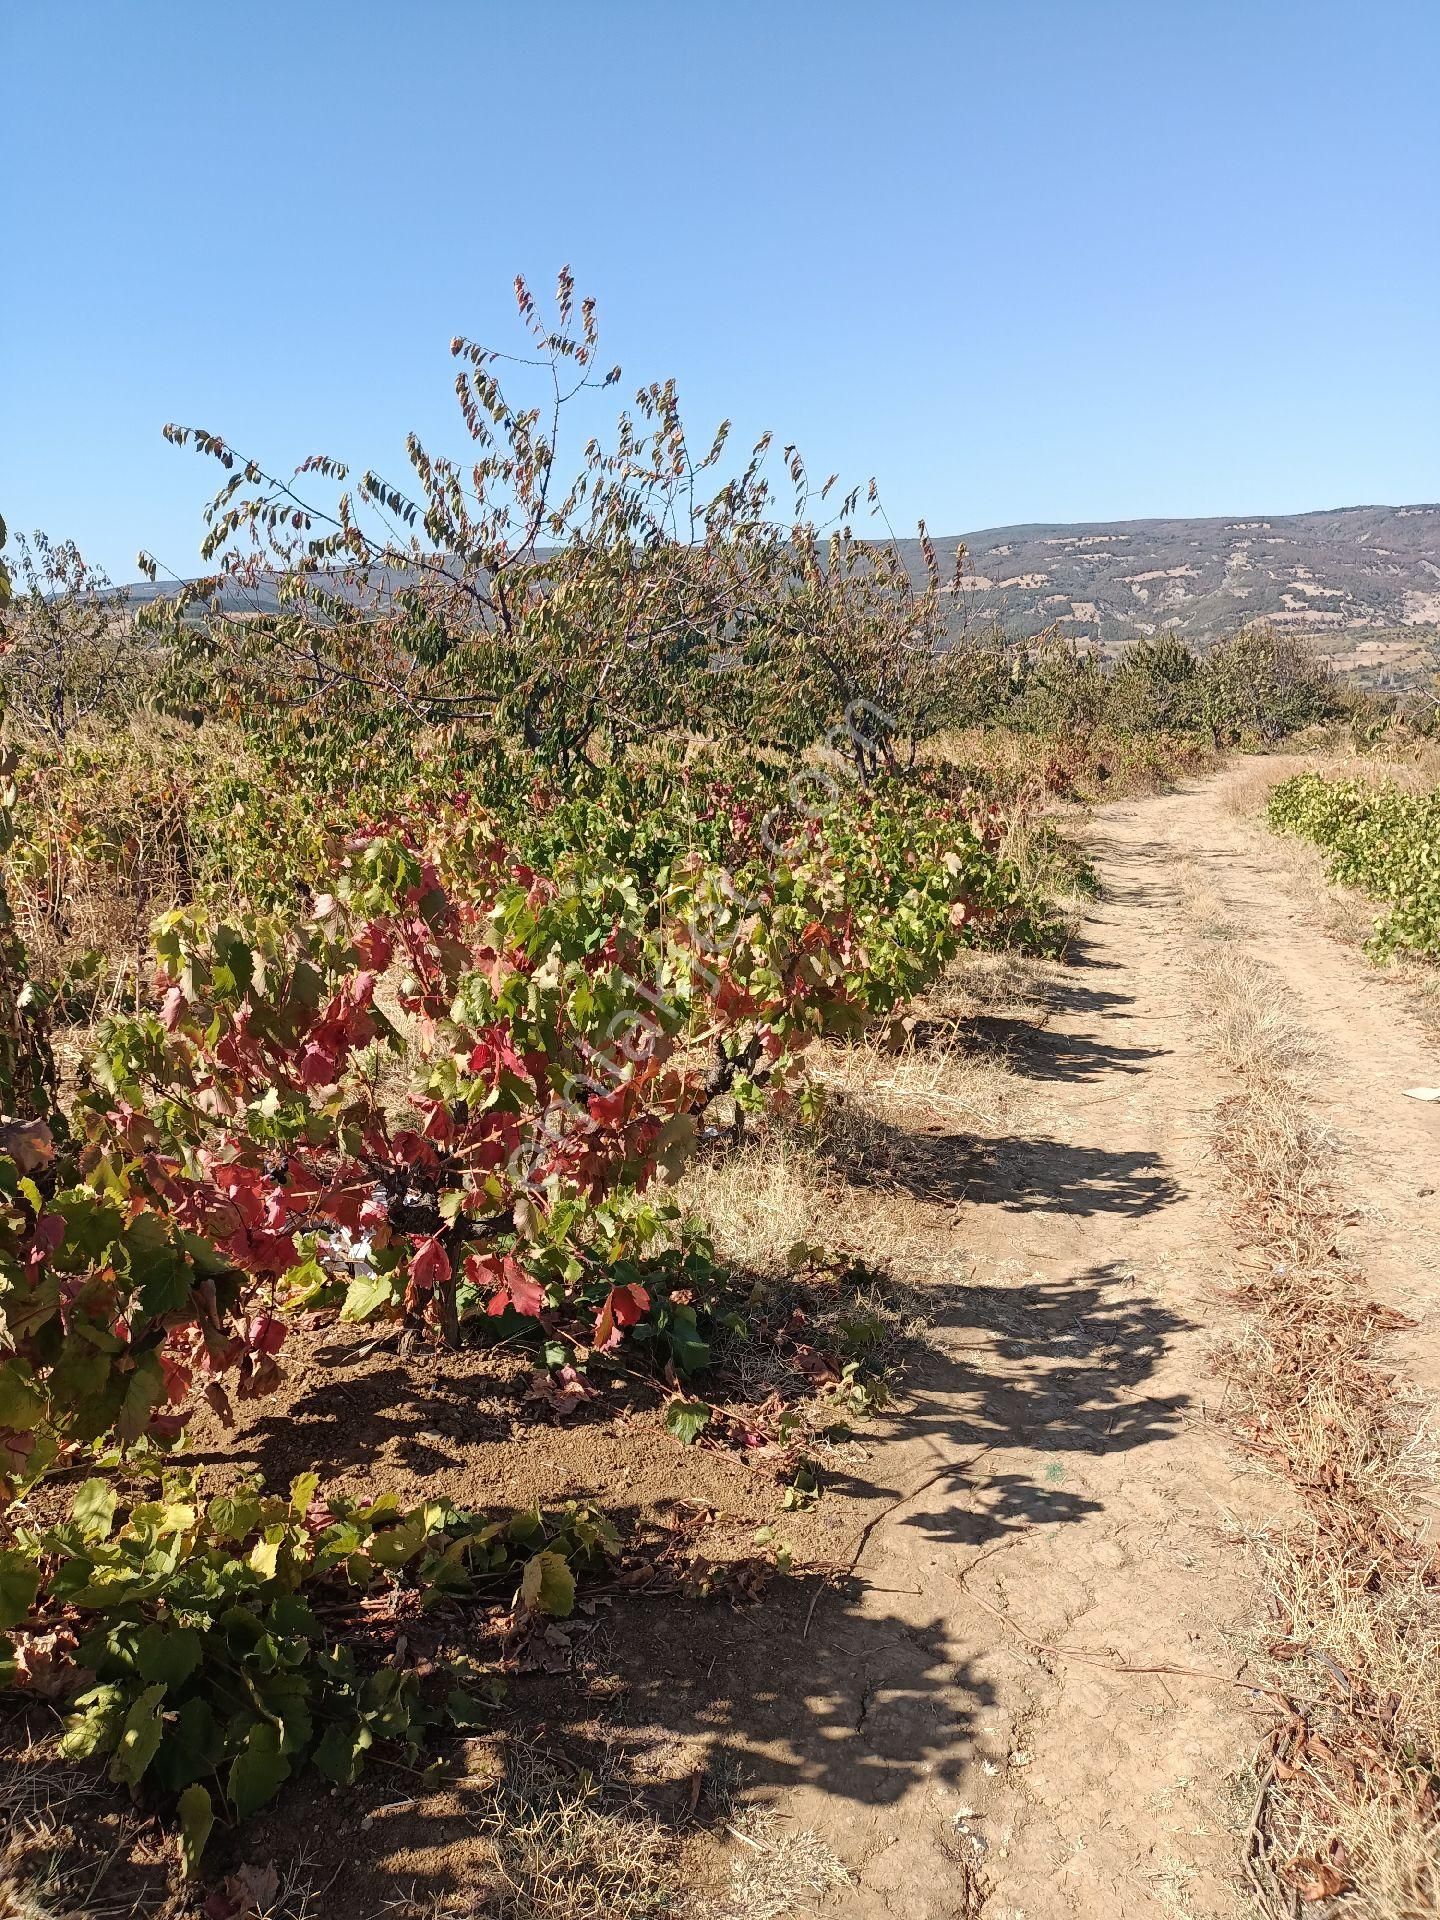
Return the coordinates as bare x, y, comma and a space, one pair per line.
822, 1686
823, 1680
1017, 1173
700, 1702
1029, 1175
1069, 996
1055, 1372
354, 1403
1045, 1053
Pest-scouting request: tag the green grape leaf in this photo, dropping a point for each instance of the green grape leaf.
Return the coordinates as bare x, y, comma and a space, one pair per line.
192, 1746
367, 1294
94, 1509
258, 1771
687, 1419
139, 1738
168, 1654
19, 1583
340, 1752
197, 1817
548, 1585
94, 1726
21, 1405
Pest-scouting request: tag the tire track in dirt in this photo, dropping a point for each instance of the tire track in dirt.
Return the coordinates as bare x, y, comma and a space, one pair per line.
1063, 1495
1371, 1047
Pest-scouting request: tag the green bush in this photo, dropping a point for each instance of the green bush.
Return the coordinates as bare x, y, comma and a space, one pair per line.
215, 1630
1154, 687
1260, 685
1381, 840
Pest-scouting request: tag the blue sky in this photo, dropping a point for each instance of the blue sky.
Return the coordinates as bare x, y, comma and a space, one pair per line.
1023, 260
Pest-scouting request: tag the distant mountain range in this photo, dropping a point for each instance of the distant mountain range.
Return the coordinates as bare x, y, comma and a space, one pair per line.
1363, 582
1367, 579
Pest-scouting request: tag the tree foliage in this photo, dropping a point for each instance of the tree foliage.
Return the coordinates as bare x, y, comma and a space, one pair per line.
1261, 685
566, 596
72, 652
27, 1065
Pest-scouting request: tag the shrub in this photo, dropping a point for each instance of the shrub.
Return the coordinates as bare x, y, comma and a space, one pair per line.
1153, 688
1382, 840
569, 602
220, 1636
72, 650
1262, 684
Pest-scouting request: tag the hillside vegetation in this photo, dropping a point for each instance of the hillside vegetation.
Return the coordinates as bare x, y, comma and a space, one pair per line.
1362, 582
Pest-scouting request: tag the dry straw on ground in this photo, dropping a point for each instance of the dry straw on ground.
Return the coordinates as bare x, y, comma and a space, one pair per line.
775, 1870
570, 1845
1347, 1819
855, 1182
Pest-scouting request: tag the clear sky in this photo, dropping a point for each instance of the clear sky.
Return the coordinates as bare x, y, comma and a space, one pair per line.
1022, 259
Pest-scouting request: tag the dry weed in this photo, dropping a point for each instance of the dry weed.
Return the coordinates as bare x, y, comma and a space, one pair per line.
47, 1869
23, 1897
1249, 783
1342, 912
942, 1078
758, 1201
774, 1870
858, 1182
1349, 1819
108, 843
829, 1186
569, 1845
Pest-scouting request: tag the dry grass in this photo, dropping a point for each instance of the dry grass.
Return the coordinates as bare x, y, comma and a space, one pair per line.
780, 1189
1007, 760
23, 1898
855, 1182
28, 1892
565, 1841
1350, 1811
1099, 762
52, 1855
773, 1870
1249, 783
941, 1079
761, 1199
570, 1845
108, 844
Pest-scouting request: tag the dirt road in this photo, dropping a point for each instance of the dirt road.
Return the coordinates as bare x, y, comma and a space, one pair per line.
1011, 1700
